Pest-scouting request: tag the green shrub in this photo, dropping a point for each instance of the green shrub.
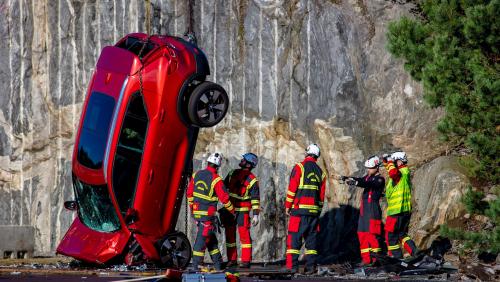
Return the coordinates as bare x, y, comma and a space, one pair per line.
453, 49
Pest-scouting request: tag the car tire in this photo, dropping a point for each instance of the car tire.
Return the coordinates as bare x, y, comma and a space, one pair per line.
175, 251
207, 104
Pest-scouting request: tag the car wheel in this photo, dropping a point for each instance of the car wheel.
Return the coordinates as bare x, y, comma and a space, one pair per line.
208, 104
175, 251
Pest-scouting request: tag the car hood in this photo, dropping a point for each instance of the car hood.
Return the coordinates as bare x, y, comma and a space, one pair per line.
92, 246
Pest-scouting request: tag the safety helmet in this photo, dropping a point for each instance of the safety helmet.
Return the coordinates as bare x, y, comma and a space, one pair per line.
399, 156
372, 162
215, 158
313, 149
251, 158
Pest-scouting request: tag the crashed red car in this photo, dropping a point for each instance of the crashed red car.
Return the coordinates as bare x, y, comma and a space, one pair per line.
133, 152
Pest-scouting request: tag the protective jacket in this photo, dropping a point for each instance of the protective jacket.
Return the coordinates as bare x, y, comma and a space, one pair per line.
370, 213
243, 190
398, 193
398, 189
305, 196
306, 191
370, 216
205, 189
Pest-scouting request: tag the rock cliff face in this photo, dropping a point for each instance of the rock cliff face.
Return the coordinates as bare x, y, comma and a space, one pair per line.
297, 72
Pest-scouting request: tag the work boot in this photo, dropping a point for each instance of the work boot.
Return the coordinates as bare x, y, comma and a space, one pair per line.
244, 265
310, 270
194, 268
218, 267
231, 263
294, 270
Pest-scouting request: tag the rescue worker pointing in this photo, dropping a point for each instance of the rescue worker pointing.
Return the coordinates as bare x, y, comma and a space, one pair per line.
398, 194
205, 189
370, 213
303, 204
243, 190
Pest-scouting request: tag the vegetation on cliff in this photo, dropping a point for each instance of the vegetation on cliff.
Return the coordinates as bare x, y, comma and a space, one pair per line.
452, 47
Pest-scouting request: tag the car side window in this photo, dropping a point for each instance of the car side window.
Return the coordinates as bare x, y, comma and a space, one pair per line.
129, 152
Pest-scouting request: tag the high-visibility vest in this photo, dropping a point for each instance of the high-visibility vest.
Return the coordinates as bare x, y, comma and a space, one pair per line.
307, 198
204, 196
399, 195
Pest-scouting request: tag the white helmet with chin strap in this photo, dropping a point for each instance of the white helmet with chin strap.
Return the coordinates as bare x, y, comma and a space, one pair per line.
313, 149
399, 156
215, 158
372, 162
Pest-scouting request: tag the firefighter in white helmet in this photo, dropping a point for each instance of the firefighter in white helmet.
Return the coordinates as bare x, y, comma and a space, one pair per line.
370, 214
205, 189
398, 194
304, 201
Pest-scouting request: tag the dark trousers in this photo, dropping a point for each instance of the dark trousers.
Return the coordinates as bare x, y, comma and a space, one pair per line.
300, 228
396, 227
243, 224
206, 239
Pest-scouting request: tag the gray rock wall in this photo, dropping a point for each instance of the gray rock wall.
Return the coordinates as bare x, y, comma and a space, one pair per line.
297, 72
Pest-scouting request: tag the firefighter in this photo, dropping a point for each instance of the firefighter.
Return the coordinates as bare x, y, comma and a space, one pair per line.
243, 190
303, 204
370, 213
205, 189
398, 194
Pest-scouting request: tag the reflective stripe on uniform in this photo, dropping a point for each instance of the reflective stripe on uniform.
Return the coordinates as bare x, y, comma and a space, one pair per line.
393, 247
255, 207
293, 251
291, 193
311, 252
255, 202
198, 254
365, 250
376, 250
200, 212
246, 246
230, 245
204, 197
310, 207
212, 186
242, 209
236, 196
289, 200
405, 239
213, 252
228, 204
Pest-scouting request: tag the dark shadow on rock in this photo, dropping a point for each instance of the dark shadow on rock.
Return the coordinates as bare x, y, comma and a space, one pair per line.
338, 239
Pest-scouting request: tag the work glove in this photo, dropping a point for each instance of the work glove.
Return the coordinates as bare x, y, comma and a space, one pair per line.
351, 182
255, 219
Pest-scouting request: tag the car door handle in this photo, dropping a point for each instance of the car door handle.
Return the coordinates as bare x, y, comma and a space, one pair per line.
150, 176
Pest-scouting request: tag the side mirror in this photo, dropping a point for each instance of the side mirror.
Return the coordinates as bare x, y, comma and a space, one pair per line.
131, 216
71, 205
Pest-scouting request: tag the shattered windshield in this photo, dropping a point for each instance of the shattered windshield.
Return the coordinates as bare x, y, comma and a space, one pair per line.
95, 208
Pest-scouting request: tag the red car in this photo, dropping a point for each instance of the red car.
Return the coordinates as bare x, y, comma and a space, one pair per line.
132, 158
